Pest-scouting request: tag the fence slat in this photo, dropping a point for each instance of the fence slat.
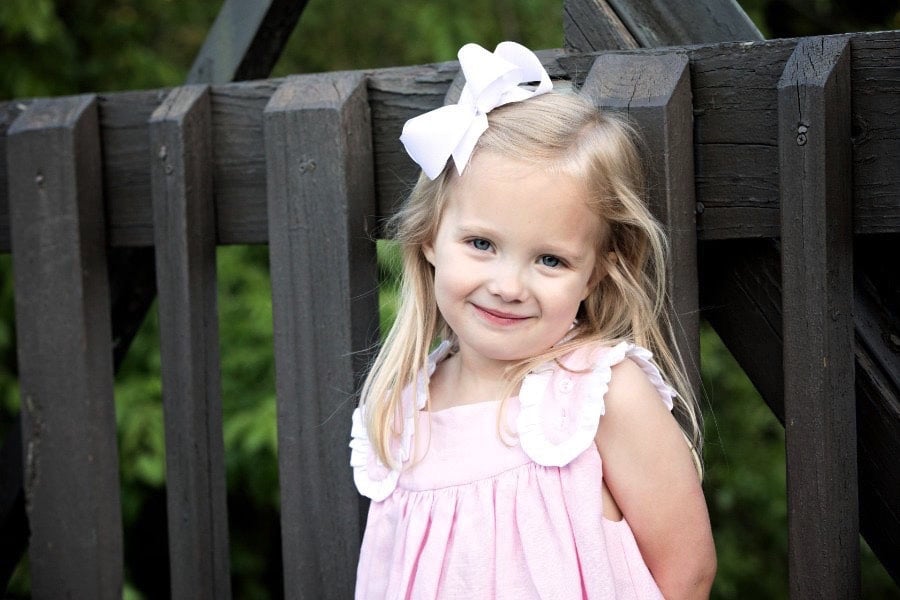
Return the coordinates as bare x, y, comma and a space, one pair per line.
735, 137
817, 282
321, 198
655, 93
593, 25
185, 242
64, 350
245, 40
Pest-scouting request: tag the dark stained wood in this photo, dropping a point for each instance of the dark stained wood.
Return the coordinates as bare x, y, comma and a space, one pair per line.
239, 169
735, 137
735, 150
877, 298
590, 25
655, 23
185, 244
740, 295
321, 210
740, 287
64, 339
654, 91
245, 40
735, 140
817, 283
9, 111
875, 77
132, 274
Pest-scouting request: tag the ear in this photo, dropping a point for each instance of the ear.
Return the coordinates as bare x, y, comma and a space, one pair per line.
428, 251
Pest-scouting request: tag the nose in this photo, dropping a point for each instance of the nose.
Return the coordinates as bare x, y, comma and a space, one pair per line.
507, 282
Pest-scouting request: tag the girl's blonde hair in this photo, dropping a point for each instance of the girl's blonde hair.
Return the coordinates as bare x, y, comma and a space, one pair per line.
561, 133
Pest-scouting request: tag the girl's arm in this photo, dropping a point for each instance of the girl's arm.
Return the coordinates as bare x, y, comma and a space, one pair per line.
648, 469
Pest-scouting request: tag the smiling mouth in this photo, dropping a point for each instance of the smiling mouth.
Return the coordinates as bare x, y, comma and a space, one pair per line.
499, 317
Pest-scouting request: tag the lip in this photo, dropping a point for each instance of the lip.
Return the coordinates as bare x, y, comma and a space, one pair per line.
499, 317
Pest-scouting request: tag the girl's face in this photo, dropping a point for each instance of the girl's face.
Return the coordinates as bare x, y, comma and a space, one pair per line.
514, 255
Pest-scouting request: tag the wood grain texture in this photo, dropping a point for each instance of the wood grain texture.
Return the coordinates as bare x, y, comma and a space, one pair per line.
656, 23
741, 296
875, 81
734, 89
64, 340
321, 210
817, 286
9, 111
185, 247
877, 296
654, 92
590, 25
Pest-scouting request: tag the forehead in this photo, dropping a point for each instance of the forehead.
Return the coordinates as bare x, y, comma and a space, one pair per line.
514, 195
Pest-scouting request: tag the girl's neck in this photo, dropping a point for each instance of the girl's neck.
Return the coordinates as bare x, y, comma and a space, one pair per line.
460, 380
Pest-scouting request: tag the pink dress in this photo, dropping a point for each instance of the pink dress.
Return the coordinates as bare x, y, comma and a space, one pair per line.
480, 516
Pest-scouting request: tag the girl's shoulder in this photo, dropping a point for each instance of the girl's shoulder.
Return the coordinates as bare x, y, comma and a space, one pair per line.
562, 401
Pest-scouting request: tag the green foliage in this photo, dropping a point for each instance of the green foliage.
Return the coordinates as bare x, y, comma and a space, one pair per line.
361, 35
745, 480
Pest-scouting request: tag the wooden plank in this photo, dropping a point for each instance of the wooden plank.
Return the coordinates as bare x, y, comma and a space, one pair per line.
590, 25
735, 132
655, 23
877, 296
655, 94
817, 282
735, 139
64, 340
245, 40
740, 286
740, 296
321, 205
185, 249
239, 170
875, 81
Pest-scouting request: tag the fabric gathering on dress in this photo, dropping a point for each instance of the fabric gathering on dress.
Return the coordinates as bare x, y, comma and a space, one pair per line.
472, 514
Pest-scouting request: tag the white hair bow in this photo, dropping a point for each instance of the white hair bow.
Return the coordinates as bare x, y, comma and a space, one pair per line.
492, 80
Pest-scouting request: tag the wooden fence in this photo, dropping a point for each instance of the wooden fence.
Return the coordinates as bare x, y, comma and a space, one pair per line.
796, 140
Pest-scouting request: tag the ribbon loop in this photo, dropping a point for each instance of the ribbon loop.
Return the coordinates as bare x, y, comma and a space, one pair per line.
492, 79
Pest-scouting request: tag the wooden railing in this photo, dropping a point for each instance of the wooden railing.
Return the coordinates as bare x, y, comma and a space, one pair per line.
748, 143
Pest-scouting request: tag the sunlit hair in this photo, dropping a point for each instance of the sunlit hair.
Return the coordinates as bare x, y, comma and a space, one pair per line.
561, 133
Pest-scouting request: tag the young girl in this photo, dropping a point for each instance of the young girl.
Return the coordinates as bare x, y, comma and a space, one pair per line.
532, 453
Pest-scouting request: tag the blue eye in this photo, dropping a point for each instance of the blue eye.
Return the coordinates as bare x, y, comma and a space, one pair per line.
549, 260
481, 244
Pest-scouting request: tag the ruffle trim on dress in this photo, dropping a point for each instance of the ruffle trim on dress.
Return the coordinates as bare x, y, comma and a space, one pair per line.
587, 375
372, 477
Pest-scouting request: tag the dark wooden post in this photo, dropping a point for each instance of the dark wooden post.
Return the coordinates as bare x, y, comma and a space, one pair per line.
655, 93
591, 25
185, 242
817, 282
321, 197
245, 40
65, 350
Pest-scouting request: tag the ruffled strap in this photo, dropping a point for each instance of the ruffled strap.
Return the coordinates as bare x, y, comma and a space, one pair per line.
561, 407
372, 477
